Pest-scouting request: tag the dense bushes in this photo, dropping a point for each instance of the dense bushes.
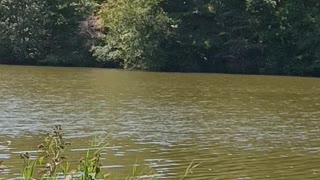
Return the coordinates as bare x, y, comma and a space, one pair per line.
137, 30
260, 37
243, 36
33, 31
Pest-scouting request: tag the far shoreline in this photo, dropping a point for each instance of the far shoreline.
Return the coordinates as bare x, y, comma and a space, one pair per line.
163, 72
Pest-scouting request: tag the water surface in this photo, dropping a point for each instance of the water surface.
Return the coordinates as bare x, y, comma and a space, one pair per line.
239, 127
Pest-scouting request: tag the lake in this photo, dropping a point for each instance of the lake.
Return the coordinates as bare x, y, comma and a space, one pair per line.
235, 126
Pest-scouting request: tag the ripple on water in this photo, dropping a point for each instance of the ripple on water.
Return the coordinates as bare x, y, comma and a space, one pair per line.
237, 127
5, 156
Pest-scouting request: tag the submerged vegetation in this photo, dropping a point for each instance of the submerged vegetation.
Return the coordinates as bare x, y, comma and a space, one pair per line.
244, 36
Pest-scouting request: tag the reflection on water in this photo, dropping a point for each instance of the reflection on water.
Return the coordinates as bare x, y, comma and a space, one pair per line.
240, 127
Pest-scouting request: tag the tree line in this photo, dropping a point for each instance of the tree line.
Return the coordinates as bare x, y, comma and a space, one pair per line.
229, 36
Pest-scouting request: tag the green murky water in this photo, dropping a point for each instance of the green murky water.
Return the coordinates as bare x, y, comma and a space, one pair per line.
240, 127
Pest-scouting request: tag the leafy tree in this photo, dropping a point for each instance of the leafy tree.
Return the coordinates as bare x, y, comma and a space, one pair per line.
239, 50
288, 30
137, 32
66, 46
302, 22
233, 36
213, 35
22, 30
34, 31
194, 34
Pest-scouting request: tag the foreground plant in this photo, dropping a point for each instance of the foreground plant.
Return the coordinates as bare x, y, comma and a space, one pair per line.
90, 166
28, 166
50, 162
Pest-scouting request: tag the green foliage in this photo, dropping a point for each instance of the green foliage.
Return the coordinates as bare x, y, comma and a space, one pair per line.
90, 167
28, 170
137, 30
233, 36
32, 29
51, 163
289, 30
194, 34
213, 35
22, 30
